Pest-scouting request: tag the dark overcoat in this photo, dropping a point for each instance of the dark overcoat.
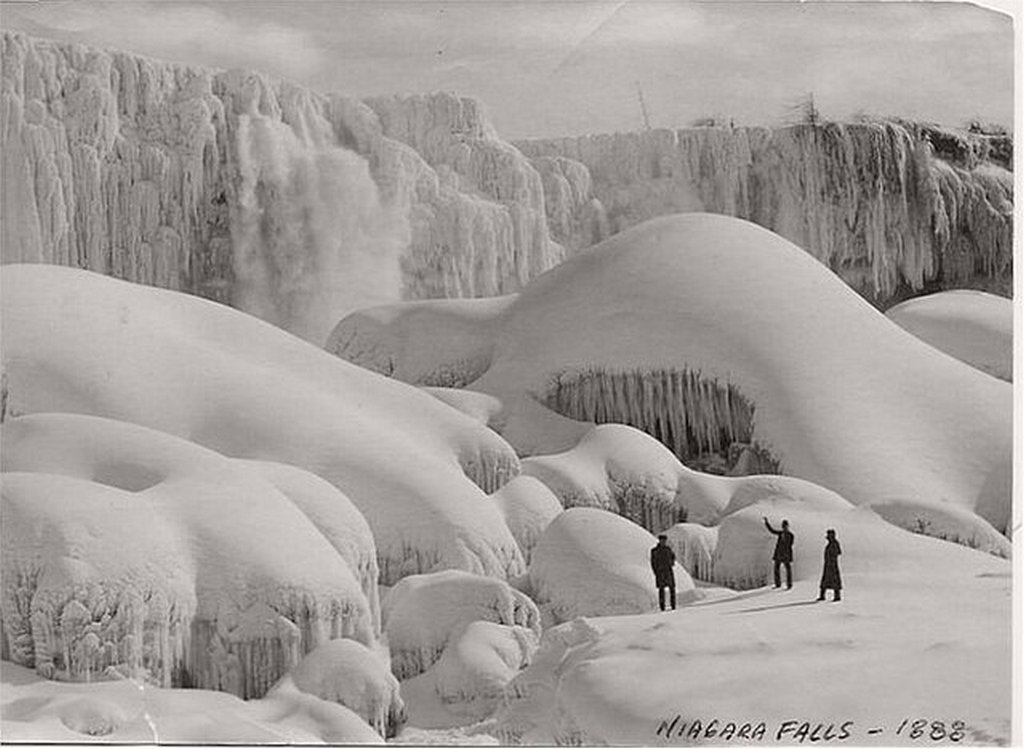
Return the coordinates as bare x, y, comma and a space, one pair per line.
830, 577
662, 559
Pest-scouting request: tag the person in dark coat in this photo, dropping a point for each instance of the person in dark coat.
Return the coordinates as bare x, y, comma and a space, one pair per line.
783, 556
662, 559
830, 578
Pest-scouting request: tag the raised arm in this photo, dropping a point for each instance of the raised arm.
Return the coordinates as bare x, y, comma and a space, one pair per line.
769, 527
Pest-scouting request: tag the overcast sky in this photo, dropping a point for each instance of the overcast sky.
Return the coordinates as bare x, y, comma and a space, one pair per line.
558, 68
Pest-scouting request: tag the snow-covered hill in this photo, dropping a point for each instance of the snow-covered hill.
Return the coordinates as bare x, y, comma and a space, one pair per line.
721, 338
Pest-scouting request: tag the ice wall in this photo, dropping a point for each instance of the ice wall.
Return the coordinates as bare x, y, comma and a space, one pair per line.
289, 204
889, 206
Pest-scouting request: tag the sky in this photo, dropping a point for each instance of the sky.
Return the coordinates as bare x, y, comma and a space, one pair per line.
550, 68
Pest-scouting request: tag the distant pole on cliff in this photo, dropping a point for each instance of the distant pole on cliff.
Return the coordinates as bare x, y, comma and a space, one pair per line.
643, 106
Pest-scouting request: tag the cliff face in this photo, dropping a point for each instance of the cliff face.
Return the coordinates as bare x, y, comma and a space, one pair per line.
292, 205
891, 207
300, 207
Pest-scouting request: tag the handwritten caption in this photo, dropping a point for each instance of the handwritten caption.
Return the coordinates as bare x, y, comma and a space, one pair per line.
800, 732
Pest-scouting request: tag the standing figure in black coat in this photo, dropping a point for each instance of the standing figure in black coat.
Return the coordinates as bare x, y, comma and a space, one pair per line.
830, 579
783, 555
662, 559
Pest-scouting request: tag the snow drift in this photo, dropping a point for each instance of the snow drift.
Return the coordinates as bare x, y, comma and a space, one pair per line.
185, 588
81, 342
974, 327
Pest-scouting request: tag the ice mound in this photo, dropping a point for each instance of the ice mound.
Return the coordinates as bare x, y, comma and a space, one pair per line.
974, 327
423, 612
709, 332
128, 712
472, 673
934, 615
335, 517
528, 507
210, 577
80, 342
614, 468
350, 674
591, 562
694, 546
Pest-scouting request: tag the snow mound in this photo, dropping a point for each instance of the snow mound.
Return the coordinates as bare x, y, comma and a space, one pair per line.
186, 588
478, 406
654, 328
335, 517
350, 674
591, 562
437, 342
129, 712
80, 342
528, 507
616, 468
472, 673
423, 612
974, 327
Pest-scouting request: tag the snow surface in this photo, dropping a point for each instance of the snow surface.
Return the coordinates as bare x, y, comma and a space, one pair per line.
184, 588
350, 674
973, 326
422, 613
77, 341
590, 562
127, 711
920, 620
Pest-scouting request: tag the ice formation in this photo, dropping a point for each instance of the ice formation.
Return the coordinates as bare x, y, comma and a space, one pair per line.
616, 468
590, 562
184, 589
973, 326
441, 343
335, 517
81, 342
287, 203
477, 665
694, 546
838, 395
423, 612
528, 507
350, 674
886, 205
128, 712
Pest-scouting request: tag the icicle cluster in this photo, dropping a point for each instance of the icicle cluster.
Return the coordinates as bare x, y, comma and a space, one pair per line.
877, 202
490, 469
690, 414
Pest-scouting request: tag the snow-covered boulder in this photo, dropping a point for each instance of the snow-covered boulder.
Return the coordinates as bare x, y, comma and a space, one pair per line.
350, 674
123, 711
423, 612
132, 551
479, 662
707, 331
80, 342
591, 562
974, 327
528, 507
617, 468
